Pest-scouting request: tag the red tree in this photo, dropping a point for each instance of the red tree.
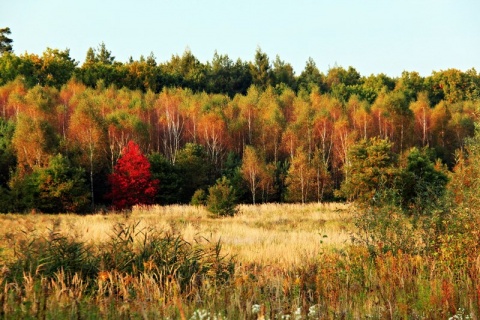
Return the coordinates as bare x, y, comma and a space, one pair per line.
131, 180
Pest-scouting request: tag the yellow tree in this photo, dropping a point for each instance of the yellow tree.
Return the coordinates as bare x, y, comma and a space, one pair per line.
422, 113
88, 131
343, 139
35, 137
10, 94
192, 107
249, 113
34, 142
362, 120
300, 178
440, 117
124, 126
252, 169
67, 102
172, 122
273, 124
323, 124
380, 116
323, 179
290, 141
213, 136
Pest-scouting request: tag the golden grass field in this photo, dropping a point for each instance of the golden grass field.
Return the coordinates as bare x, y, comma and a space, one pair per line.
268, 234
290, 261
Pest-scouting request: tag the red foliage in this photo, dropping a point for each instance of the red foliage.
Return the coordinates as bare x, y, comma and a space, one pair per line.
131, 180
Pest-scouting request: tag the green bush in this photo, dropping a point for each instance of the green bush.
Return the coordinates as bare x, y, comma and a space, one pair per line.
60, 187
372, 167
421, 183
199, 198
221, 198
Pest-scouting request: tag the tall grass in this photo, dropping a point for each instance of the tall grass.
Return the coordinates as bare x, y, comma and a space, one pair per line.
178, 262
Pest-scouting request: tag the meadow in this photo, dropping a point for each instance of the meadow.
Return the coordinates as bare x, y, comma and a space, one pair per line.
269, 261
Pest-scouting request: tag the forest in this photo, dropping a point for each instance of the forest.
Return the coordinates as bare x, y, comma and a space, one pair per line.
271, 135
341, 195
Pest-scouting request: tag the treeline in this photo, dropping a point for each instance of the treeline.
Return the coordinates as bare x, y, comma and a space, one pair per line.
63, 128
223, 75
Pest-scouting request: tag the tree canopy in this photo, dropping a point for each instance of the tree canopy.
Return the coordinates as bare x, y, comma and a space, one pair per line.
276, 136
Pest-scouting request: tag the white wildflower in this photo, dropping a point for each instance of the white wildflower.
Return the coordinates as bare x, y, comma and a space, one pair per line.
201, 314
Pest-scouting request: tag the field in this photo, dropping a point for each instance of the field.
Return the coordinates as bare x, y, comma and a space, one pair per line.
268, 262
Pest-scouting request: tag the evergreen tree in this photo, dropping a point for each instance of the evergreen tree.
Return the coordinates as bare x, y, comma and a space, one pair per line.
62, 187
221, 198
5, 41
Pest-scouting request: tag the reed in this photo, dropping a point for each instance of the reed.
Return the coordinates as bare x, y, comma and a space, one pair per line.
178, 262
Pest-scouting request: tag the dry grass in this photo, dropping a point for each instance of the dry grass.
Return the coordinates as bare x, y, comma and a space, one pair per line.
285, 267
269, 234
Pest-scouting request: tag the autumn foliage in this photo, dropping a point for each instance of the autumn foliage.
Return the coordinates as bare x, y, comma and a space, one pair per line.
131, 181
275, 137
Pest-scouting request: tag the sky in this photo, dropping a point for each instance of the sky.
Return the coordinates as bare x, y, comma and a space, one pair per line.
373, 36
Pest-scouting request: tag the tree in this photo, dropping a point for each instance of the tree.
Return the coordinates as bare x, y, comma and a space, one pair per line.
422, 183
5, 42
228, 77
252, 170
13, 67
261, 70
460, 240
131, 181
396, 106
300, 178
104, 56
411, 84
62, 187
371, 168
87, 130
283, 73
90, 57
172, 122
272, 120
338, 75
185, 71
34, 142
323, 180
56, 67
7, 154
422, 114
221, 198
193, 168
310, 76
212, 134
232, 171
100, 65
164, 171
220, 78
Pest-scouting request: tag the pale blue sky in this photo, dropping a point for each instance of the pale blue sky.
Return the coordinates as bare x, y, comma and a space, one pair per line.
387, 36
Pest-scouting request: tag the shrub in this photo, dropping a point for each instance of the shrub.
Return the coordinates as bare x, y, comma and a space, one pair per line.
422, 183
221, 198
372, 166
383, 227
62, 187
199, 198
